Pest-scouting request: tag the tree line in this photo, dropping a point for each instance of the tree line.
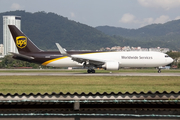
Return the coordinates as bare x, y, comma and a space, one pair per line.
9, 63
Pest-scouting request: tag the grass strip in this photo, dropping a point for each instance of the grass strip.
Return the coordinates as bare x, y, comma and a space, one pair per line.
79, 84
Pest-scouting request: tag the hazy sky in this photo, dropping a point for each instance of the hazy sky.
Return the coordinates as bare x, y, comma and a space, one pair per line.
118, 13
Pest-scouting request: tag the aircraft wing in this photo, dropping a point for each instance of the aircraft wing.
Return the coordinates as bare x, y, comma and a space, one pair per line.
90, 61
80, 58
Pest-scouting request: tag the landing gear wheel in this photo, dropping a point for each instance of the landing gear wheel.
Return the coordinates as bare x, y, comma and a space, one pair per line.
159, 70
88, 71
91, 71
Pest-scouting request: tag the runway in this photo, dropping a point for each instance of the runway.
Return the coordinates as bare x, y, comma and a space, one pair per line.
85, 74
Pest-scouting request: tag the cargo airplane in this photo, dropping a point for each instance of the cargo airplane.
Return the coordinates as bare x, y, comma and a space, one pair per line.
28, 51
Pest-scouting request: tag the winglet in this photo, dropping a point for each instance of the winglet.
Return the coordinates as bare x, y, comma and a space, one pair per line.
61, 50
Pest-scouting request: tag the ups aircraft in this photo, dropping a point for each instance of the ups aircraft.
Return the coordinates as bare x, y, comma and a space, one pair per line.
28, 51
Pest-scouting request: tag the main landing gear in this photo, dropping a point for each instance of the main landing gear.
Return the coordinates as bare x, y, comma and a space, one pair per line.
91, 71
159, 70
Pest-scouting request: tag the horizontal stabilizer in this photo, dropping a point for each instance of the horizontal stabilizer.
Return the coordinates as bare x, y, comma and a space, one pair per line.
22, 56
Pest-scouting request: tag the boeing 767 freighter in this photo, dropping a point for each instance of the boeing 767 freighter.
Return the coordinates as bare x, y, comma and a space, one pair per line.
28, 51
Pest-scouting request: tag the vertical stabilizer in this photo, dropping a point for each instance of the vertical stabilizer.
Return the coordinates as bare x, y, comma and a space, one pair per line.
22, 42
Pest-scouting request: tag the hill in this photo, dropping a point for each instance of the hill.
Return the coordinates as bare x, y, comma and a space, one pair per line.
45, 29
163, 35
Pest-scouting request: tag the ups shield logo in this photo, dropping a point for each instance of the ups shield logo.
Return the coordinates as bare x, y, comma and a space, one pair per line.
21, 41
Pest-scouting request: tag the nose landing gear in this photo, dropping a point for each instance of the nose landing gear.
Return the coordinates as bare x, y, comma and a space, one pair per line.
159, 69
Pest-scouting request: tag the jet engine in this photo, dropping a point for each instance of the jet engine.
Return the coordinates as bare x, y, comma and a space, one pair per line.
111, 66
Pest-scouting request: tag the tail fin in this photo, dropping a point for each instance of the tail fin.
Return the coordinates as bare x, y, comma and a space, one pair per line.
23, 43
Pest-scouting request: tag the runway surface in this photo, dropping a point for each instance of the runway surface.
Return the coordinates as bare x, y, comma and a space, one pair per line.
86, 74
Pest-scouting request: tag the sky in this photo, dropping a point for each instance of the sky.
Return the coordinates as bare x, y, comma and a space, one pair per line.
131, 14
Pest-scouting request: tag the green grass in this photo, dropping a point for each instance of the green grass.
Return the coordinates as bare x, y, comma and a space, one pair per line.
49, 84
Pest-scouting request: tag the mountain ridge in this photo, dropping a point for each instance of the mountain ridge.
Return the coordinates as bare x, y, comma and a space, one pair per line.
163, 35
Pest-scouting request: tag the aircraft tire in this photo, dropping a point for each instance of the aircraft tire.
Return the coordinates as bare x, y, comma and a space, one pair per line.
159, 71
93, 71
90, 71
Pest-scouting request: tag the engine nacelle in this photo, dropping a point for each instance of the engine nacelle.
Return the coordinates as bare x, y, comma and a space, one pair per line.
111, 66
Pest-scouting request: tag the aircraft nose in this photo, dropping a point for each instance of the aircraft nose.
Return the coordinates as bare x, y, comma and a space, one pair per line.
171, 60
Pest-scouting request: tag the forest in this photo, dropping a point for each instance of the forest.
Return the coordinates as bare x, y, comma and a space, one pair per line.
46, 29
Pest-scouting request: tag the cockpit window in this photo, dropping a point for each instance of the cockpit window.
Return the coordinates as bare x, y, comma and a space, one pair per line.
166, 56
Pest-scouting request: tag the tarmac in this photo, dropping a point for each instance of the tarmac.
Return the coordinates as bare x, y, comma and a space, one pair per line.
85, 74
